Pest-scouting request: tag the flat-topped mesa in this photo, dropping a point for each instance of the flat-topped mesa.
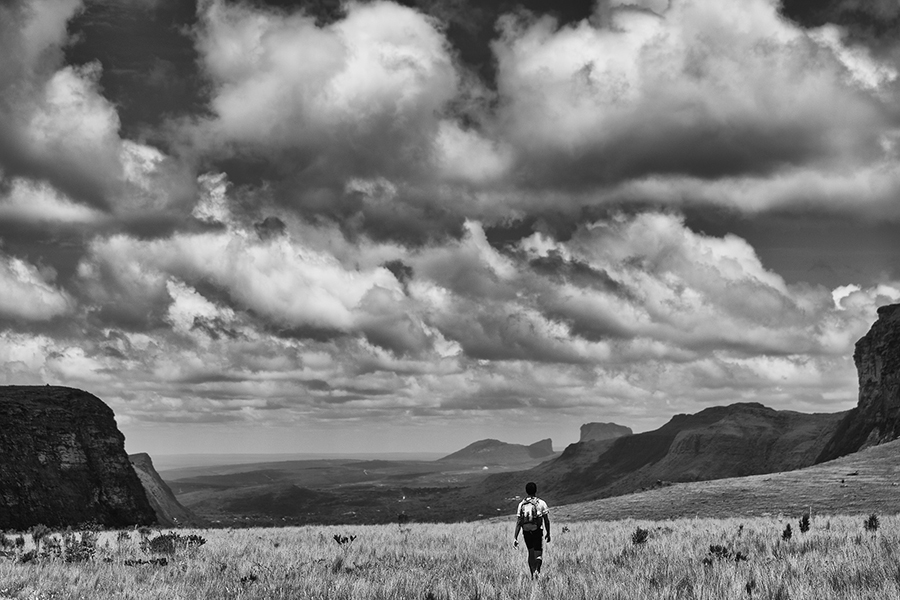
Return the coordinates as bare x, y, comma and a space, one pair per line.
541, 448
63, 462
876, 418
495, 452
591, 432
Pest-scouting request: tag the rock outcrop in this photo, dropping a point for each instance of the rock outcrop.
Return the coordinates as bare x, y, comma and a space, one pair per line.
596, 432
541, 449
876, 418
63, 462
169, 512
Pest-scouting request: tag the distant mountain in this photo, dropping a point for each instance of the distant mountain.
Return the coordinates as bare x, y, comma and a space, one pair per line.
876, 418
169, 512
495, 452
597, 432
723, 441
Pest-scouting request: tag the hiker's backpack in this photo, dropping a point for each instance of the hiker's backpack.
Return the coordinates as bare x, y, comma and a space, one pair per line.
530, 515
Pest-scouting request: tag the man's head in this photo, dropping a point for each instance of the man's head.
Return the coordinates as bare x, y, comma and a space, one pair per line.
531, 488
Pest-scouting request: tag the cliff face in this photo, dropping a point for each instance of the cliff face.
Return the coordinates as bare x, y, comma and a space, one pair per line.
595, 432
876, 418
63, 462
541, 449
169, 512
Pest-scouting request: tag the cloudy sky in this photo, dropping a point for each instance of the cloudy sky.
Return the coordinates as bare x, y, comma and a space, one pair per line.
302, 226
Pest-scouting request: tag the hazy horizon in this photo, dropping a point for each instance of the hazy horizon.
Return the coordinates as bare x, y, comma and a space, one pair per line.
288, 226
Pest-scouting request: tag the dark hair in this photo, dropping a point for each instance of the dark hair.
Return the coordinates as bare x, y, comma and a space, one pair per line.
531, 488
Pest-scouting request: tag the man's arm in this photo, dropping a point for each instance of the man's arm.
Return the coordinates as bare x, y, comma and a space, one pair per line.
518, 528
547, 525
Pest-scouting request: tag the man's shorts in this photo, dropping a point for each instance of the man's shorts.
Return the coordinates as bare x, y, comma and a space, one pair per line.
534, 540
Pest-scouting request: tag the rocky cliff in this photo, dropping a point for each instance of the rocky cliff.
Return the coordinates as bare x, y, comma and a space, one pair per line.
596, 432
169, 512
63, 462
876, 418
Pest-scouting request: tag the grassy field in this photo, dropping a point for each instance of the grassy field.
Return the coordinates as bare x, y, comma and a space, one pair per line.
692, 558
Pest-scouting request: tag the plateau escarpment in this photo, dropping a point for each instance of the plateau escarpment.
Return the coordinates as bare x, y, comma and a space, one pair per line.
63, 462
597, 432
722, 441
169, 512
876, 418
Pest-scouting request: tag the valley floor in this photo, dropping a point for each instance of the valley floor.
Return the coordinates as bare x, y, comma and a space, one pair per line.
697, 558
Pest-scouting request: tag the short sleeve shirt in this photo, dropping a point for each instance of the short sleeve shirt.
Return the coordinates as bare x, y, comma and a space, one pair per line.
540, 505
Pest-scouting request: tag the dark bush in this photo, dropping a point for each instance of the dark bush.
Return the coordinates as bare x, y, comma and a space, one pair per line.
51, 547
136, 562
804, 523
639, 536
718, 552
786, 534
80, 548
871, 523
168, 543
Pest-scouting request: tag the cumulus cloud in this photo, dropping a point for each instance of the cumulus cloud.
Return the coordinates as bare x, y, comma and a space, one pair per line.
57, 129
630, 314
708, 89
358, 96
28, 293
37, 202
350, 262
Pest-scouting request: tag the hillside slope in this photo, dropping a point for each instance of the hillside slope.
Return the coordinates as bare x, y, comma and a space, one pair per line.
862, 483
722, 441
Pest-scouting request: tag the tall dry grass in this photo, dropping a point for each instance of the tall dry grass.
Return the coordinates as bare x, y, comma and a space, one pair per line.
836, 558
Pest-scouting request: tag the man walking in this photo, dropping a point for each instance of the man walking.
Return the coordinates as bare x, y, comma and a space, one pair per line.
530, 516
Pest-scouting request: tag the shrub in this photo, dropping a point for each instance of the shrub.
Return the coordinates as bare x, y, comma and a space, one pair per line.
786, 534
639, 536
871, 523
719, 552
81, 548
51, 547
38, 533
804, 523
168, 543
